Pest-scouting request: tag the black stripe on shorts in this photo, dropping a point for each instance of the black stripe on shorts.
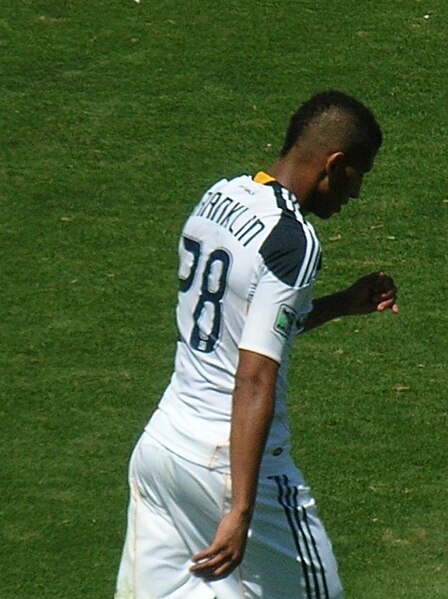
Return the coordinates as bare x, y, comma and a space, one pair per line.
306, 546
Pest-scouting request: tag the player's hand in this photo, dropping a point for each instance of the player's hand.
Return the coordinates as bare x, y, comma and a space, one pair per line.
373, 293
226, 550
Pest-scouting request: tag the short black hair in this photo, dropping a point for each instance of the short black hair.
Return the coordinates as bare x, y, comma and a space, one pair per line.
368, 132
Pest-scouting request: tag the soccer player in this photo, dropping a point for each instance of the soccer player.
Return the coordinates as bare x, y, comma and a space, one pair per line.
217, 507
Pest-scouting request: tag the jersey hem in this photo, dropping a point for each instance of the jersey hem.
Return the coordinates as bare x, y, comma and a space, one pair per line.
262, 351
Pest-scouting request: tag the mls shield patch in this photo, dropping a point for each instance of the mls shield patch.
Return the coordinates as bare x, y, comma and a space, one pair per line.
285, 320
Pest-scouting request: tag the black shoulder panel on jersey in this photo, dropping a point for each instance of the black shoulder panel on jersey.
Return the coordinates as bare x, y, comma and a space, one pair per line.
283, 251
278, 194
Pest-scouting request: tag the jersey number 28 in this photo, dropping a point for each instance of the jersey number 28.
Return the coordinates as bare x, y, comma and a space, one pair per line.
207, 315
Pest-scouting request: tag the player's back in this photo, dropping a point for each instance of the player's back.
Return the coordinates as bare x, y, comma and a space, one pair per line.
218, 271
241, 232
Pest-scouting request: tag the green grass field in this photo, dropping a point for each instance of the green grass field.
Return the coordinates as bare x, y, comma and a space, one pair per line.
115, 117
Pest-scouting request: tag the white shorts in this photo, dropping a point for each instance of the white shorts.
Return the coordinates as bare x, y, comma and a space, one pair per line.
174, 510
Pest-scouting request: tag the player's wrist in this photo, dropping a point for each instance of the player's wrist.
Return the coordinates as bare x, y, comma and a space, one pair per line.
242, 511
335, 305
344, 303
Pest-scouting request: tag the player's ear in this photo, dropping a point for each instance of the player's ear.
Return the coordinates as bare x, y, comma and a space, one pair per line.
334, 161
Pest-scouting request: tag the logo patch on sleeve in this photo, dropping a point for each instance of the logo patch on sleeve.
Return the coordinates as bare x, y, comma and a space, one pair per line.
285, 320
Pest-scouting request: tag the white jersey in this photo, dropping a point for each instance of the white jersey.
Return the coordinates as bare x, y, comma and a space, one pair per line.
247, 263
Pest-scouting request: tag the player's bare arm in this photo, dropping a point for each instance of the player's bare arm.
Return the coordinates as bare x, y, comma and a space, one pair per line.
253, 407
375, 292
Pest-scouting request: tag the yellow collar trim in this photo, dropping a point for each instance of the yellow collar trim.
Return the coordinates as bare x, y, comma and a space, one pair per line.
263, 178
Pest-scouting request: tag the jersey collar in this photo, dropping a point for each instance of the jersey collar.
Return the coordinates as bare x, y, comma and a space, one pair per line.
285, 199
263, 178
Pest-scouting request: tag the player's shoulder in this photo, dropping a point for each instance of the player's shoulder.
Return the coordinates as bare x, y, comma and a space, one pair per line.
236, 184
291, 250
239, 187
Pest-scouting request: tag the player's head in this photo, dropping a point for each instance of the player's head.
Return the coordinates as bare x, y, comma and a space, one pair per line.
337, 122
334, 139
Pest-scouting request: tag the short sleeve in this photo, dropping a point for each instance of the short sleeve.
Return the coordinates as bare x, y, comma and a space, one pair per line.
290, 259
273, 313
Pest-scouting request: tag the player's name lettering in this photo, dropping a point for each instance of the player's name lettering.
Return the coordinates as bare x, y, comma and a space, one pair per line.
232, 215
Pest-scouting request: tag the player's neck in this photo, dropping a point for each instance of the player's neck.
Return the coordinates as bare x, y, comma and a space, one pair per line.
294, 176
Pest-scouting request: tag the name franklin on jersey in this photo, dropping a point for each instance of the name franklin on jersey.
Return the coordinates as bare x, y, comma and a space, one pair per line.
232, 215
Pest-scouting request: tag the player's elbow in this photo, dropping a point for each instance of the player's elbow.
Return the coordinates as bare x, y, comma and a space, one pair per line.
255, 372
